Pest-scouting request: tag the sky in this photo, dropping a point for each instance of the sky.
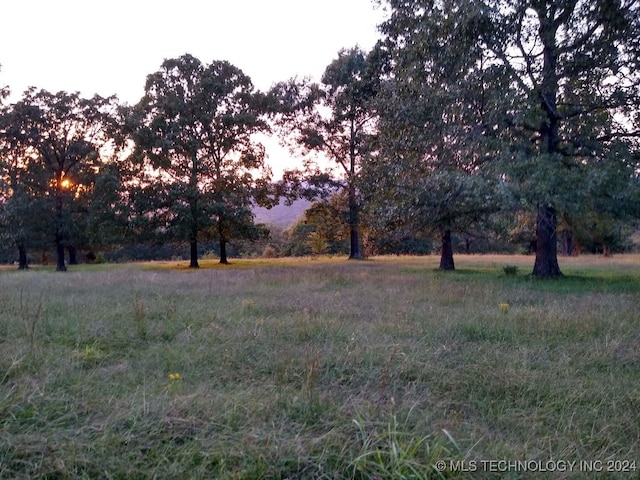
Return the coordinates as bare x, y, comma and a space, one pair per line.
109, 47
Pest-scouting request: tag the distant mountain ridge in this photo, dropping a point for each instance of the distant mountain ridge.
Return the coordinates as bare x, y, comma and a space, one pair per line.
282, 215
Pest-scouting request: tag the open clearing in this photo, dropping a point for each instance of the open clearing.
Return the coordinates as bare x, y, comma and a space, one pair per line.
321, 368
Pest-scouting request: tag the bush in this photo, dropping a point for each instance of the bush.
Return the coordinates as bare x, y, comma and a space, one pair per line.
269, 252
510, 270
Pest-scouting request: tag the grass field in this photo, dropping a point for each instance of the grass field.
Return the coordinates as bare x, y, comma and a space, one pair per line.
321, 368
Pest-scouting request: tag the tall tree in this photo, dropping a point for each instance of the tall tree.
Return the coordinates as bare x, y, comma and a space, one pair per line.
64, 133
574, 66
336, 119
23, 207
567, 78
194, 127
434, 171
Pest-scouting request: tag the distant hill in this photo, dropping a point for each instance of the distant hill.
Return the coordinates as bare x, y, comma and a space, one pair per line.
281, 216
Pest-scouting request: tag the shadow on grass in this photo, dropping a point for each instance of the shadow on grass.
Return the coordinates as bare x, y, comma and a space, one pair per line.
577, 282
574, 281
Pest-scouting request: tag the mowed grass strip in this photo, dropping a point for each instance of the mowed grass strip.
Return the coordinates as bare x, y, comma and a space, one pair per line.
318, 369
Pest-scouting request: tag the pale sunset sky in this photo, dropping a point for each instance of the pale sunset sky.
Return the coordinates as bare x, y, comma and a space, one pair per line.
109, 47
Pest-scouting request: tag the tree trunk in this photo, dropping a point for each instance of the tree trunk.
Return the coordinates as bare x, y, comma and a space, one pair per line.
567, 243
60, 266
193, 203
222, 241
546, 264
22, 258
193, 253
223, 251
355, 243
354, 226
354, 208
446, 252
73, 258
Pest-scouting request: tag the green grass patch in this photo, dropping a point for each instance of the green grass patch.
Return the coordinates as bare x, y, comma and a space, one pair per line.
319, 368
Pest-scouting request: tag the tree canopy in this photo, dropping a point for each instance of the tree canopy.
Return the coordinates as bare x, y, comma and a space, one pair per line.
336, 118
193, 134
60, 137
467, 116
547, 87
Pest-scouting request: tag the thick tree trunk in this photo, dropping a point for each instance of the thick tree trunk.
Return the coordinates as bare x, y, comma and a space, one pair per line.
223, 252
546, 264
355, 253
73, 258
22, 258
193, 254
446, 252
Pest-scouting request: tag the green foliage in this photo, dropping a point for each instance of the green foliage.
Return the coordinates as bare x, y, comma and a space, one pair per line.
511, 270
318, 243
107, 215
322, 229
195, 128
394, 454
335, 118
90, 355
467, 117
436, 167
52, 144
531, 97
25, 212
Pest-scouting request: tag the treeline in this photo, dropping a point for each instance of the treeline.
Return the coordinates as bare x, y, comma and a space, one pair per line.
471, 125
